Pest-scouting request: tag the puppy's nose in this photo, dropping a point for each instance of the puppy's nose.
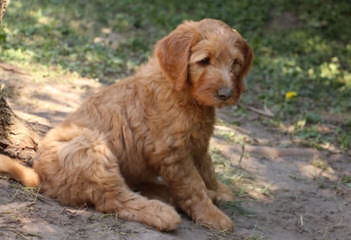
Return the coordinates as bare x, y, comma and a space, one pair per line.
224, 93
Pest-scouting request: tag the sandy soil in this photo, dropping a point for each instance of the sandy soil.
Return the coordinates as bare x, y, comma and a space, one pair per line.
284, 192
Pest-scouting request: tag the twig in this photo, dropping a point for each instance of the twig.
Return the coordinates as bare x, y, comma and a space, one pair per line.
11, 68
242, 154
259, 111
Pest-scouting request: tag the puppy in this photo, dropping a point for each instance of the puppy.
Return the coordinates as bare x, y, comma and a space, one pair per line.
154, 125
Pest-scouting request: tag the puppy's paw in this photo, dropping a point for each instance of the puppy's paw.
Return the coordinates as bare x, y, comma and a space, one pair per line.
30, 178
224, 193
161, 216
150, 212
213, 218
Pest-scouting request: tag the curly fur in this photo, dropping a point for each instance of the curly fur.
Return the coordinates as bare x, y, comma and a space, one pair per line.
157, 123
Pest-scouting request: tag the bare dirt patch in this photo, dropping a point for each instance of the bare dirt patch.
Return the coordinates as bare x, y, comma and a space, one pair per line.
284, 191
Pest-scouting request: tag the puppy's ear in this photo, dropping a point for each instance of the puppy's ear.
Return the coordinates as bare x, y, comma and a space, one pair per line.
248, 56
173, 53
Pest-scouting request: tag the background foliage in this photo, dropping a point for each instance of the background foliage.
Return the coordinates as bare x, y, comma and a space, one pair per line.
301, 72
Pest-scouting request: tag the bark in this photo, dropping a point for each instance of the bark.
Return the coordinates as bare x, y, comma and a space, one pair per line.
18, 138
3, 6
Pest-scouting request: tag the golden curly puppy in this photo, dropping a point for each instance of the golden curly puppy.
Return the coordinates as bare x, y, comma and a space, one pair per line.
154, 125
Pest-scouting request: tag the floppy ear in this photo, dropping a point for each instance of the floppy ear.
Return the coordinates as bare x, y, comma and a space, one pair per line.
173, 53
248, 57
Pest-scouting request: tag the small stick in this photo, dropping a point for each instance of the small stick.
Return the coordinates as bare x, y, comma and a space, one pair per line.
242, 154
10, 68
262, 112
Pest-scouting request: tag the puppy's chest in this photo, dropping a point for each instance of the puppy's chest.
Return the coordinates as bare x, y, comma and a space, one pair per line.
200, 137
201, 131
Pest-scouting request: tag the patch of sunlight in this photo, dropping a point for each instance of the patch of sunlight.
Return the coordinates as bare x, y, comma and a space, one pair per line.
39, 227
16, 4
45, 20
329, 146
242, 181
346, 79
42, 73
37, 14
314, 169
258, 189
322, 164
46, 74
290, 67
6, 30
316, 44
312, 73
32, 117
18, 54
50, 106
331, 70
233, 136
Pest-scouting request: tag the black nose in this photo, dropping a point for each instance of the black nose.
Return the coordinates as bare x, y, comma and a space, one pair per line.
224, 93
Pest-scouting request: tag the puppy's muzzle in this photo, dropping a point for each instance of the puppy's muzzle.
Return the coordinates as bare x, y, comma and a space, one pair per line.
224, 93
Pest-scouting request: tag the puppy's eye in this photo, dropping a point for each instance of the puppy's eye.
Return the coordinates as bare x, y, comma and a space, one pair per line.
236, 66
235, 62
204, 62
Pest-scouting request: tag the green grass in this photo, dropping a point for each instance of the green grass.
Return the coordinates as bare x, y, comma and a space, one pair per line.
310, 54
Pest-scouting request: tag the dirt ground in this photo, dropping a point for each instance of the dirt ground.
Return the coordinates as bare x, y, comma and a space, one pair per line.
284, 191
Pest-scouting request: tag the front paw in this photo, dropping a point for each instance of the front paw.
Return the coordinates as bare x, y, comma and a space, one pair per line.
213, 218
222, 194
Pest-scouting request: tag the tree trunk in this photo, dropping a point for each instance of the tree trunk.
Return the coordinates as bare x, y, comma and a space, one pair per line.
18, 138
3, 6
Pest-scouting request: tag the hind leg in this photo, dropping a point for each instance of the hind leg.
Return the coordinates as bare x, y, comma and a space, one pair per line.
131, 206
82, 170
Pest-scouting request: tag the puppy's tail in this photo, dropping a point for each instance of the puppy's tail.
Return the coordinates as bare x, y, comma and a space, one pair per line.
22, 174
